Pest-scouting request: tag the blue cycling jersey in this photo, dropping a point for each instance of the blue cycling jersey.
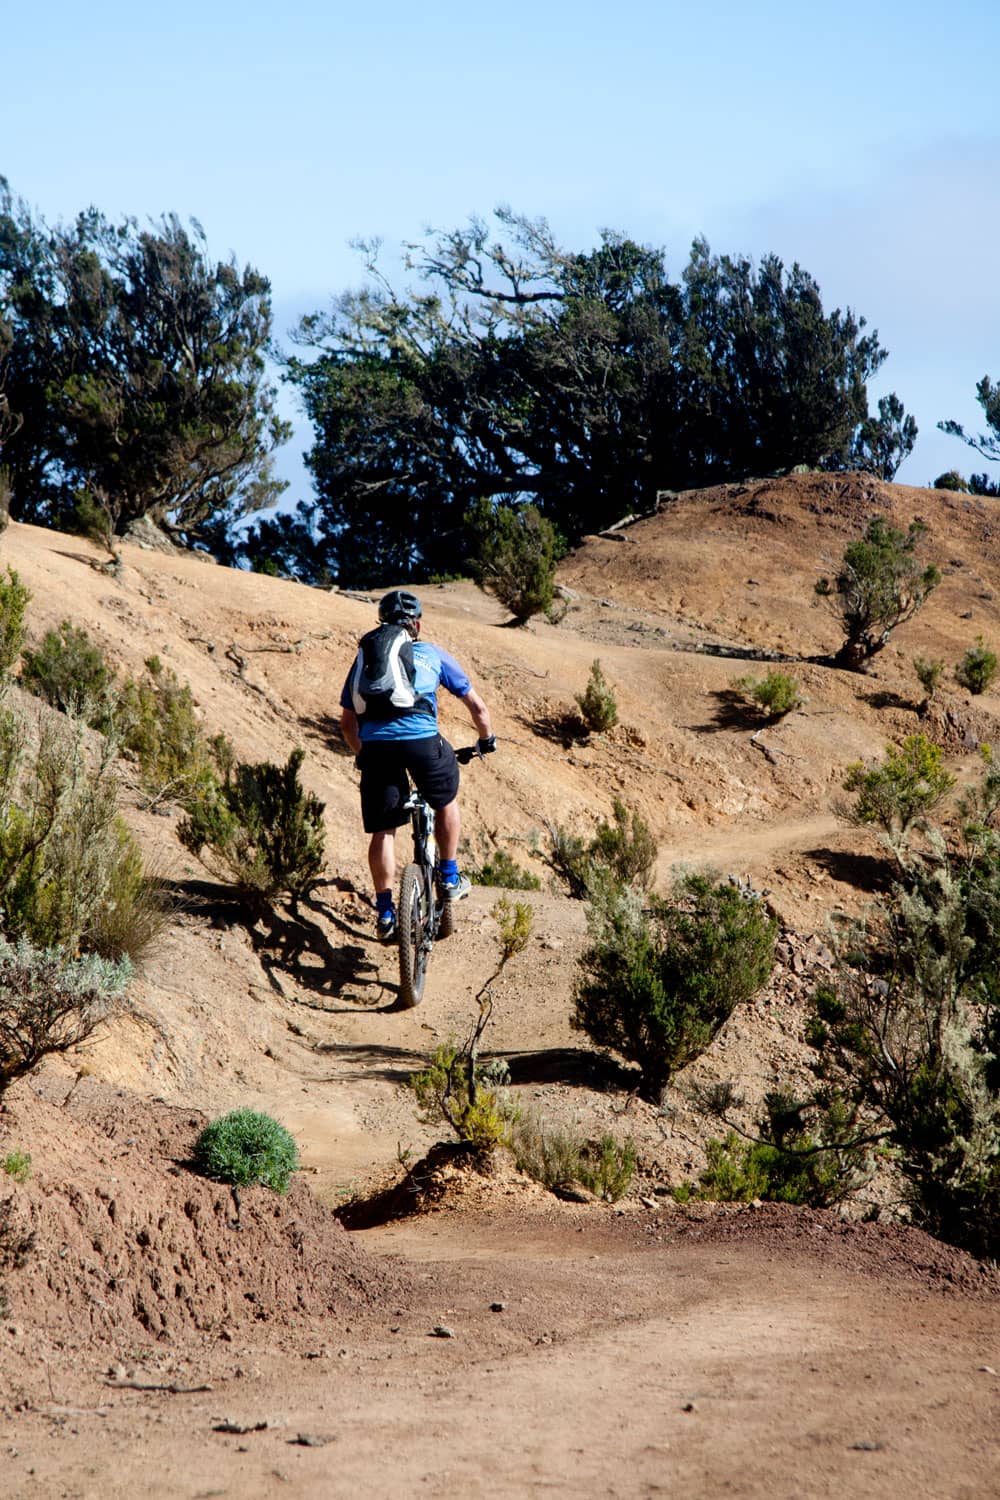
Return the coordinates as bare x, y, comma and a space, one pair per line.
433, 668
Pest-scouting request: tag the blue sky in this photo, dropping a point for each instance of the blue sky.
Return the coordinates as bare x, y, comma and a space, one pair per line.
861, 139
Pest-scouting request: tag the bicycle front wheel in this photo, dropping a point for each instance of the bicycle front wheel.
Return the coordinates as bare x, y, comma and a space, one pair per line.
414, 936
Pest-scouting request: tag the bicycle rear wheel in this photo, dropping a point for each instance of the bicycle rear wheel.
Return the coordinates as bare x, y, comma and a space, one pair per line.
414, 936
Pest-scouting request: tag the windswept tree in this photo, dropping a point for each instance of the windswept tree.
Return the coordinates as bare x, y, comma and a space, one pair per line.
135, 367
516, 371
880, 584
986, 443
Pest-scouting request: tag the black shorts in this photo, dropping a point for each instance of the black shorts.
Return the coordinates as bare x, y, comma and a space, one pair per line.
386, 768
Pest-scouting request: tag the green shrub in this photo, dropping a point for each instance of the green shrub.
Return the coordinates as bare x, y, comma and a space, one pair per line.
17, 1164
554, 1157
70, 872
977, 669
908, 1029
69, 671
951, 480
775, 695
135, 907
14, 599
160, 726
625, 849
929, 674
245, 1147
597, 704
658, 982
50, 1002
879, 586
569, 857
806, 1153
515, 550
909, 784
260, 830
500, 869
455, 1088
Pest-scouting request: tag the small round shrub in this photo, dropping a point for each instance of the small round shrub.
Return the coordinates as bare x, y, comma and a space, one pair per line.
244, 1147
928, 674
69, 671
597, 704
977, 668
775, 695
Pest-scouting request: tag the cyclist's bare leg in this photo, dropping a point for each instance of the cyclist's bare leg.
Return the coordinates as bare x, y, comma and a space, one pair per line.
447, 828
382, 859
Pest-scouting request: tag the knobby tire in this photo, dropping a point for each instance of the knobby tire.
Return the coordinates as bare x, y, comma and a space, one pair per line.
414, 950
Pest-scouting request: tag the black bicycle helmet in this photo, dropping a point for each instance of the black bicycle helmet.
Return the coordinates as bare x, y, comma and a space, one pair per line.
399, 607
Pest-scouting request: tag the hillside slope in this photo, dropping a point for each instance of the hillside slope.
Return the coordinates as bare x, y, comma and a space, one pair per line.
221, 1012
619, 1318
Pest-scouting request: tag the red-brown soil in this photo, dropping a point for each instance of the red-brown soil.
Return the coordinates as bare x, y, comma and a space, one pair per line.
633, 1349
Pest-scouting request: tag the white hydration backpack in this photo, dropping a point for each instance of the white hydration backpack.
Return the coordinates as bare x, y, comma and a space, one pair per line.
383, 682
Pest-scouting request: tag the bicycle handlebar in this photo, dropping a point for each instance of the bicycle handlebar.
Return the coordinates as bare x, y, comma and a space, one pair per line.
476, 751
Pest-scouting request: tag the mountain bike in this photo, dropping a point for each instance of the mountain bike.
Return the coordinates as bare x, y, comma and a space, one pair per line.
423, 914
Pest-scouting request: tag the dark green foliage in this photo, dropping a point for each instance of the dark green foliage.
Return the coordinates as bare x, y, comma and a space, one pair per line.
597, 704
882, 442
977, 669
988, 444
13, 605
659, 980
513, 556
952, 480
260, 830
137, 368
245, 1147
160, 727
805, 1154
880, 585
908, 1029
569, 856
909, 784
624, 849
69, 671
500, 869
581, 382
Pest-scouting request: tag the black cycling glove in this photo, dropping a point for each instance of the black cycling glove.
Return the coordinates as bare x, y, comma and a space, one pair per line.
488, 745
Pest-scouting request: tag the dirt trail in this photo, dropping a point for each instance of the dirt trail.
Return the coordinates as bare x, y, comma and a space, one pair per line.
807, 1373
614, 1368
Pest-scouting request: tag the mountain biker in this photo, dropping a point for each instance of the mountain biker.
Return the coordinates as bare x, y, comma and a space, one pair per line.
407, 743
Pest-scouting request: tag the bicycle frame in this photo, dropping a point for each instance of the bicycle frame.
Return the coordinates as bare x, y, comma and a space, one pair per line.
420, 908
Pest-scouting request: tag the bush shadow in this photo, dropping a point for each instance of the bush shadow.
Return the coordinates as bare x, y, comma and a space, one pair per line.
563, 727
576, 1067
871, 873
884, 698
732, 711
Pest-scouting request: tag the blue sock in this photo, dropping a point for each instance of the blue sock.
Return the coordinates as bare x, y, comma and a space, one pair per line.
383, 901
449, 869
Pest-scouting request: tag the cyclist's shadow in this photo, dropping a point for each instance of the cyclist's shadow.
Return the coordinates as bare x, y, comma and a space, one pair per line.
291, 944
